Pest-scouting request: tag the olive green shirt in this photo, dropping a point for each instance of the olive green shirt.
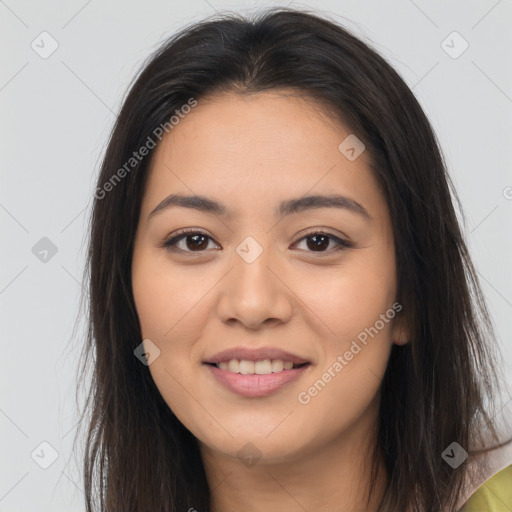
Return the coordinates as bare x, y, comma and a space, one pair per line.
494, 495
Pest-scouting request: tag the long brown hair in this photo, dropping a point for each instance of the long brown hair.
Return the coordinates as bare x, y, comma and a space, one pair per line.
138, 456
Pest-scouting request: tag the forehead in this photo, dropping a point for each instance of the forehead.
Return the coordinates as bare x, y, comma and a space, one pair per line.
279, 120
255, 149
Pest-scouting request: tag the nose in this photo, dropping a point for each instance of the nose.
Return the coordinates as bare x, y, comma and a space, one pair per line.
254, 292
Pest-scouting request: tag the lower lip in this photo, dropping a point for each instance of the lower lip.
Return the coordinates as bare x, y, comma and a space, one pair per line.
256, 385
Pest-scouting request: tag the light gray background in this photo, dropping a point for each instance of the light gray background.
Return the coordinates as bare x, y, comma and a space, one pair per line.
56, 116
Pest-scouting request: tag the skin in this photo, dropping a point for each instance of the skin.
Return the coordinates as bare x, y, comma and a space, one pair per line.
250, 153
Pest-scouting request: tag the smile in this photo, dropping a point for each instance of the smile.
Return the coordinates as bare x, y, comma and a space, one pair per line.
243, 377
261, 367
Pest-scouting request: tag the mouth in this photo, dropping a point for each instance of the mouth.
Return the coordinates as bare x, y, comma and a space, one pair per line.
255, 373
258, 367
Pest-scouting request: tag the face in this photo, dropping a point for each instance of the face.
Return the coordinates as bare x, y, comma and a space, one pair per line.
267, 275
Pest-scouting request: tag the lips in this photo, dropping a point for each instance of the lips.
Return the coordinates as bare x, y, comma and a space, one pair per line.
256, 372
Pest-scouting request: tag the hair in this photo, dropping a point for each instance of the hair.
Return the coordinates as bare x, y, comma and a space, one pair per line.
138, 455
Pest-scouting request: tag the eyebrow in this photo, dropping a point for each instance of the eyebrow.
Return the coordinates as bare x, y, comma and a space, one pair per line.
287, 207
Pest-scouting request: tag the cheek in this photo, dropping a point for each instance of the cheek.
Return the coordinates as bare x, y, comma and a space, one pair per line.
350, 297
168, 298
358, 308
172, 310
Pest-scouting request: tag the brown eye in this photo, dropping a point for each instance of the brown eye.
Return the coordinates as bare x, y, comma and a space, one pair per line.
194, 241
319, 242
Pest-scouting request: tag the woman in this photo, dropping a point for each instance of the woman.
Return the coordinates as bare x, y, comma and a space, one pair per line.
284, 314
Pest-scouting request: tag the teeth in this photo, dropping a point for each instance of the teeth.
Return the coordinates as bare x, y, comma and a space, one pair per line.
277, 365
263, 367
246, 367
233, 365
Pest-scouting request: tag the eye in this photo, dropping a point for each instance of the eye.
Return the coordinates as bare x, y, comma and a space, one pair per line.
316, 241
196, 241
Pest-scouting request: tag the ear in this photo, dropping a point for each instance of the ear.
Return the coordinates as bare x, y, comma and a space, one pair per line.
400, 332
400, 339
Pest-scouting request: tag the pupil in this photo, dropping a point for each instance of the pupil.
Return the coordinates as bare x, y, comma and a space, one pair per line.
194, 244
318, 244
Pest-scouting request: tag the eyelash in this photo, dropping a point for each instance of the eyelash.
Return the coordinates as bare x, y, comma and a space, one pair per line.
170, 243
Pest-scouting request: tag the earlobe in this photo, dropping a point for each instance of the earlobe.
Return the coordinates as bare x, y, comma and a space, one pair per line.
400, 334
400, 340
401, 331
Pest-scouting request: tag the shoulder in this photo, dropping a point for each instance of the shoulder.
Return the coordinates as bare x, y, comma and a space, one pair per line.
489, 482
494, 495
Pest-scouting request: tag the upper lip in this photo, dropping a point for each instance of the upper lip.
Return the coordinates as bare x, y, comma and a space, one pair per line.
255, 354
